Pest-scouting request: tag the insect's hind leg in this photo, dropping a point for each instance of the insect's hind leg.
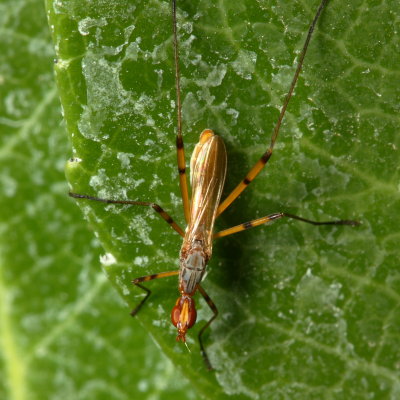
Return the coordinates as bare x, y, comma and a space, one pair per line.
260, 164
180, 151
200, 336
146, 278
274, 217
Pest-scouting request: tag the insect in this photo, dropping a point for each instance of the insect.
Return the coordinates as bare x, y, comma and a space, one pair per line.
208, 167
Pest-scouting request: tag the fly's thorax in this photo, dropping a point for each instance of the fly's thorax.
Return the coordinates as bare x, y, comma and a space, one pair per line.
193, 261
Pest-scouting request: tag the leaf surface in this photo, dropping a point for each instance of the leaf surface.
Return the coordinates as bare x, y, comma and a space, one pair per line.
64, 331
305, 312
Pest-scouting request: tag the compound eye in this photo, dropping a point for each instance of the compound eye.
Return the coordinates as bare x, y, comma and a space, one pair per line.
175, 313
192, 316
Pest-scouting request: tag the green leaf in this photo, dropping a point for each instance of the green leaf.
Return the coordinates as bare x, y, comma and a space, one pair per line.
305, 312
64, 332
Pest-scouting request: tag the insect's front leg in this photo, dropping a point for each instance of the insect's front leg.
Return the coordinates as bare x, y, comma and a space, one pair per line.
146, 278
215, 311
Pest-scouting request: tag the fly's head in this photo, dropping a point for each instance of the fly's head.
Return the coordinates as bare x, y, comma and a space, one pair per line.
183, 316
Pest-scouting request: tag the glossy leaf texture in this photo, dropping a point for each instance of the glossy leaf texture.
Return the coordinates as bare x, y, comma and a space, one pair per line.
64, 331
305, 312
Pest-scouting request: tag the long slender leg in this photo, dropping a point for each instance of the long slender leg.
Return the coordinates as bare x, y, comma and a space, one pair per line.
275, 216
266, 156
179, 138
215, 311
154, 206
148, 291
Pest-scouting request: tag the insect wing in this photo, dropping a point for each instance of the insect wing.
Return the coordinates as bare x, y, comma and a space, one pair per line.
207, 177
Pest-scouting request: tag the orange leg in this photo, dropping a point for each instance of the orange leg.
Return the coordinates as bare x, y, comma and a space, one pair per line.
275, 216
148, 291
266, 156
154, 206
179, 138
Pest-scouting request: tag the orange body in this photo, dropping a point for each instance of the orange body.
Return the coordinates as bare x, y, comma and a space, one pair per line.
207, 177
